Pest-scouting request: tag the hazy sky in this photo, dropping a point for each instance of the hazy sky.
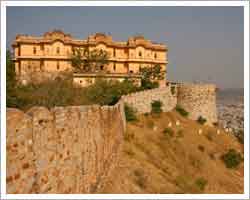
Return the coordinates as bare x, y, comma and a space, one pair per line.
205, 43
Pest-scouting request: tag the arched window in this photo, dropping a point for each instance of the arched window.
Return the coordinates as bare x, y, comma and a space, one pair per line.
155, 55
140, 54
114, 67
34, 50
41, 65
58, 50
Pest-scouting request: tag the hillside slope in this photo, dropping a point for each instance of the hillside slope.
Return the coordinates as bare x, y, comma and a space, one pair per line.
186, 162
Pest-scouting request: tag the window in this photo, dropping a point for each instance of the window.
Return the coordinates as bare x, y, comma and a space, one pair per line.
58, 65
114, 53
114, 67
102, 67
34, 50
41, 65
155, 55
58, 50
140, 54
42, 47
140, 68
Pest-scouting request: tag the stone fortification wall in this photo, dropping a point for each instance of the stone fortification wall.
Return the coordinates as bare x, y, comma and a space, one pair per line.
142, 100
198, 100
63, 150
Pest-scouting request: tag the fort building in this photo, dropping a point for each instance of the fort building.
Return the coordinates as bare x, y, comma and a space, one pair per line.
51, 53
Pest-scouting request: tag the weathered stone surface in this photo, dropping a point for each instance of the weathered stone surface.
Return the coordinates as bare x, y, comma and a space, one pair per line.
21, 171
198, 100
65, 150
141, 101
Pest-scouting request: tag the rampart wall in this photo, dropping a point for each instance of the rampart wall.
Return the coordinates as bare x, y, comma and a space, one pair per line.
74, 149
142, 100
63, 150
197, 99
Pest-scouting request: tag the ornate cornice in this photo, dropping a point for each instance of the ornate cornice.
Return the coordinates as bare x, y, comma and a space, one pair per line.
95, 39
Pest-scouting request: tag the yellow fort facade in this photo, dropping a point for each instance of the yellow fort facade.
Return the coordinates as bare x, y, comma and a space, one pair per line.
51, 54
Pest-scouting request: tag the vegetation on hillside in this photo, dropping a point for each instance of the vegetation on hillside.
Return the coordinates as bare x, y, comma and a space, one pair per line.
158, 159
201, 120
232, 158
181, 110
156, 107
62, 91
130, 113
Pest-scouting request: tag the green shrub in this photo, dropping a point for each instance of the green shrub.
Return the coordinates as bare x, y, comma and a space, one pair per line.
232, 158
201, 183
201, 120
168, 132
62, 92
172, 90
106, 92
156, 107
147, 84
182, 111
130, 113
50, 93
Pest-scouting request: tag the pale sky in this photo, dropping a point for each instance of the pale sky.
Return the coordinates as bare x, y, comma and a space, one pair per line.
205, 43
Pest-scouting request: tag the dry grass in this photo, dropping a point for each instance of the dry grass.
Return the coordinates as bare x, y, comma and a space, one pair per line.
185, 163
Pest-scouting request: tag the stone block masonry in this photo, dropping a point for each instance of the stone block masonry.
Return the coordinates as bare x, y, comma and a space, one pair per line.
142, 100
63, 150
197, 99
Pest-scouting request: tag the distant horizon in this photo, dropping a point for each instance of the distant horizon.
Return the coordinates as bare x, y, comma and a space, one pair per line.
206, 44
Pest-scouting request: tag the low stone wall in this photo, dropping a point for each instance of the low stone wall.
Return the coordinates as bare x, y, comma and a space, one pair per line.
63, 150
198, 100
142, 100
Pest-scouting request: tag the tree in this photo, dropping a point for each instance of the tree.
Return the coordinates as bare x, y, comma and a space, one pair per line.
10, 71
11, 98
150, 76
85, 60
